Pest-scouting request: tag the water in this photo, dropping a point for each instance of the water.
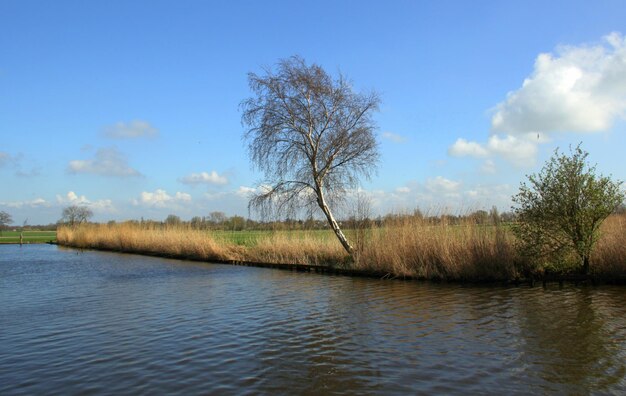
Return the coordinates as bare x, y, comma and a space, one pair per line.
102, 323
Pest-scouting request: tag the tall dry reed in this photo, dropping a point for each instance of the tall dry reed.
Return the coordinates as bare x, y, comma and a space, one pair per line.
131, 238
298, 248
609, 256
417, 248
410, 247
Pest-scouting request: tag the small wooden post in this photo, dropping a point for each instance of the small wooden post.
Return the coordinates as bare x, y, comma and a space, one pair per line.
21, 237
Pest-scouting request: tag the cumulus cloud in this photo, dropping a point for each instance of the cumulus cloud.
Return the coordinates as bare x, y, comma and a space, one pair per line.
580, 89
403, 190
462, 148
107, 162
130, 130
71, 198
161, 199
440, 184
521, 151
576, 89
34, 203
394, 137
439, 195
244, 191
204, 178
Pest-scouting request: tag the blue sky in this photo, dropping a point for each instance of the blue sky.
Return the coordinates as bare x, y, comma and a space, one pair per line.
131, 107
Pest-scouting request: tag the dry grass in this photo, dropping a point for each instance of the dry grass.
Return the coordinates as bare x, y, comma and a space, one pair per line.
609, 255
169, 242
297, 248
453, 252
411, 247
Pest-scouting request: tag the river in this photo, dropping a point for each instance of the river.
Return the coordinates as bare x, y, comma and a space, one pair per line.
103, 323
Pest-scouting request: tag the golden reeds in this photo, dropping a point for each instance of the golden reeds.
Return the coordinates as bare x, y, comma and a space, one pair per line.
131, 238
609, 256
410, 247
416, 248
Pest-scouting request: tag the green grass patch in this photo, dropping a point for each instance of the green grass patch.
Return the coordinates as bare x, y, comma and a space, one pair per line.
251, 238
28, 236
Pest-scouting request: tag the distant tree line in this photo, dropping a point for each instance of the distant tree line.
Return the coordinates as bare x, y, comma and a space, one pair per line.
219, 221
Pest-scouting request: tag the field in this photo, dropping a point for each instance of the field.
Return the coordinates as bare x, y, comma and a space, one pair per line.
28, 236
408, 248
250, 238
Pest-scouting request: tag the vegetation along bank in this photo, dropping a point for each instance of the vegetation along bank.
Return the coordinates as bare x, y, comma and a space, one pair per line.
409, 246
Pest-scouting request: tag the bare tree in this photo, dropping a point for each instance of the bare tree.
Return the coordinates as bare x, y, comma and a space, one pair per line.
311, 135
5, 220
74, 214
173, 220
217, 217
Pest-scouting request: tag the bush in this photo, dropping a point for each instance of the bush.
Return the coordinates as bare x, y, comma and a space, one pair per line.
561, 209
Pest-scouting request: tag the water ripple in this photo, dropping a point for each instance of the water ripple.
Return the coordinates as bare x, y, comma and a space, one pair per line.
103, 323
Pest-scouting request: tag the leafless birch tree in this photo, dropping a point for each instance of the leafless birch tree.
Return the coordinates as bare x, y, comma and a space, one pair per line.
74, 215
311, 135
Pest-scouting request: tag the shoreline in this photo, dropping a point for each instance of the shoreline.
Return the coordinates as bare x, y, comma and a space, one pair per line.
412, 251
543, 280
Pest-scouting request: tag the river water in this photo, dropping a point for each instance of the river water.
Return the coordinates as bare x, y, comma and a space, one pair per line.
102, 323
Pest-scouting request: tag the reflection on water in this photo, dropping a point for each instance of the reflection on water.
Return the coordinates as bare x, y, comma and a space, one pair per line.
91, 322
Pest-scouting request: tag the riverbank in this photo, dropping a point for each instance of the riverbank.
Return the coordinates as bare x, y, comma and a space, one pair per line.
409, 249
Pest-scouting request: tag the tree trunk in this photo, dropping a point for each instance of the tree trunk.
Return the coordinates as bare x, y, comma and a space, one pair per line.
333, 224
586, 265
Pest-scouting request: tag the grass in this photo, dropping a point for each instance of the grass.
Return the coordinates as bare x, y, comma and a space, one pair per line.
28, 236
406, 248
251, 238
172, 242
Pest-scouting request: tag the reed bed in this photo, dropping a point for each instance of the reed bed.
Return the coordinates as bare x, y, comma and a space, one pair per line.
419, 249
407, 248
298, 248
130, 238
609, 256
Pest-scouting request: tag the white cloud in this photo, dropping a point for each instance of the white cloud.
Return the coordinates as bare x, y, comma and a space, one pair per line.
130, 130
35, 203
462, 148
439, 195
71, 198
107, 162
204, 178
245, 192
394, 137
161, 199
486, 196
577, 89
440, 184
580, 88
520, 151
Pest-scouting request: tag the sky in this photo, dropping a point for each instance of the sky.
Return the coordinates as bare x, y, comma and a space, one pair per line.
132, 107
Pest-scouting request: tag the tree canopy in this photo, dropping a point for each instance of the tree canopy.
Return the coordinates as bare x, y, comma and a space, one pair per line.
75, 214
311, 135
5, 220
561, 208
